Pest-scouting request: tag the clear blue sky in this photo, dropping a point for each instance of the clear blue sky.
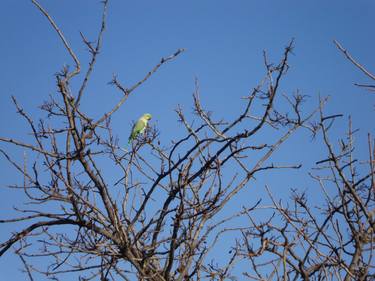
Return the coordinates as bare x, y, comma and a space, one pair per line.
224, 41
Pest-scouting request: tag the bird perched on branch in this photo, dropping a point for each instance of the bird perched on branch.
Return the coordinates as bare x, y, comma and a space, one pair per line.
140, 126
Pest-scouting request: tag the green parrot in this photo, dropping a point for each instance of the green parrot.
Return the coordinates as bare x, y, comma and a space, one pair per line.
140, 126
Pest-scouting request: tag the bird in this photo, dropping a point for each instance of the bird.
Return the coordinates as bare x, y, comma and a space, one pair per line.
140, 126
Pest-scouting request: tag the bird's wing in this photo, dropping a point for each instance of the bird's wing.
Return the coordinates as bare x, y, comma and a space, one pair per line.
137, 128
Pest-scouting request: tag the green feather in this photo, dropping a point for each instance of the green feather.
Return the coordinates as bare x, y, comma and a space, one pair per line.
140, 126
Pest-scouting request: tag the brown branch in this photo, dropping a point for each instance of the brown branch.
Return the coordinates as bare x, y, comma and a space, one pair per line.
6, 245
127, 92
350, 58
94, 52
29, 146
61, 35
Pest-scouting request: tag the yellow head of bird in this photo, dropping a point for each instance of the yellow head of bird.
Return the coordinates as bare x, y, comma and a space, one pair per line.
147, 116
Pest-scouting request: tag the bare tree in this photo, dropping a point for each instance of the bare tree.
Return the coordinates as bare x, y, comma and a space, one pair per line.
162, 217
331, 241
